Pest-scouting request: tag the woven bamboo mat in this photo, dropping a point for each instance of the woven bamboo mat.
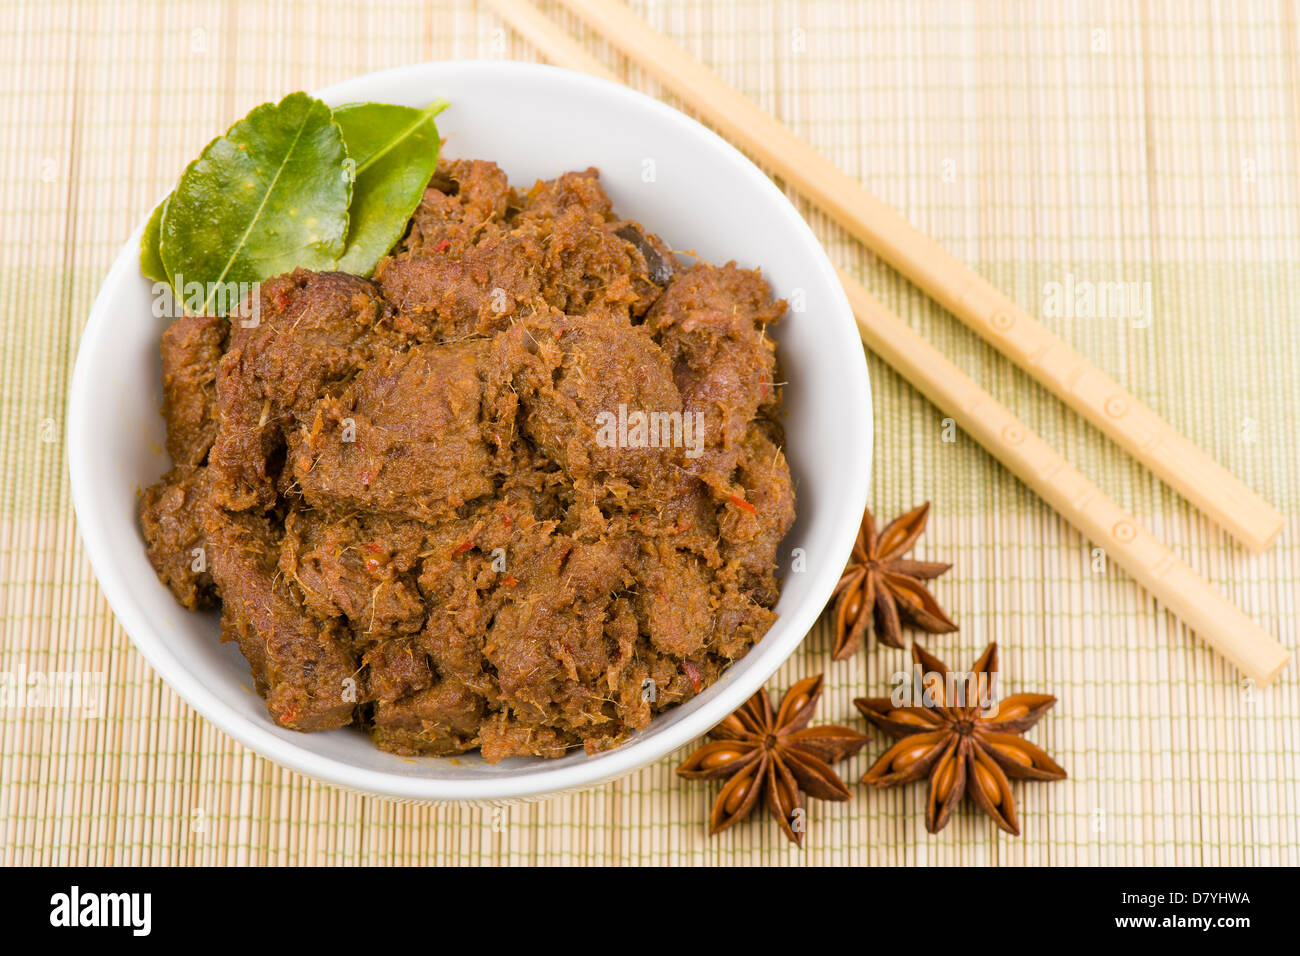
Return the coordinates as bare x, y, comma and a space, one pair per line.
1047, 144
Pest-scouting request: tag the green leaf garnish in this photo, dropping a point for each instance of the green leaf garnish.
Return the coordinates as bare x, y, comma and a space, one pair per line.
291, 184
395, 149
270, 195
150, 261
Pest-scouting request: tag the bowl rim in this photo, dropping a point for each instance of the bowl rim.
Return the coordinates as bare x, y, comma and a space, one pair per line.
543, 781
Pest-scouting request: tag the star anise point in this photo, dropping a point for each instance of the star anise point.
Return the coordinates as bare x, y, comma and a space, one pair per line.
773, 755
882, 588
959, 742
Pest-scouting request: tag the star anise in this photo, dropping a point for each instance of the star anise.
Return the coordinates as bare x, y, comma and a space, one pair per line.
960, 740
773, 756
880, 583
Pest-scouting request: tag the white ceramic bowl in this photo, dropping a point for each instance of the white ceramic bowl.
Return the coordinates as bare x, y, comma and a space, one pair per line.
660, 168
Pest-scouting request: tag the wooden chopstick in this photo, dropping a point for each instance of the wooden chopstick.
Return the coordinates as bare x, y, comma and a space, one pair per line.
995, 316
551, 40
1172, 581
1243, 643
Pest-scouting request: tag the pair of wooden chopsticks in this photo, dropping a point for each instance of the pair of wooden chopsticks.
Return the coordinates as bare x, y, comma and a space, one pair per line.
1015, 333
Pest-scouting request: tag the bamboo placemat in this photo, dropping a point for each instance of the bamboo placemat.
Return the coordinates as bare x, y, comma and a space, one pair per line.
1053, 146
